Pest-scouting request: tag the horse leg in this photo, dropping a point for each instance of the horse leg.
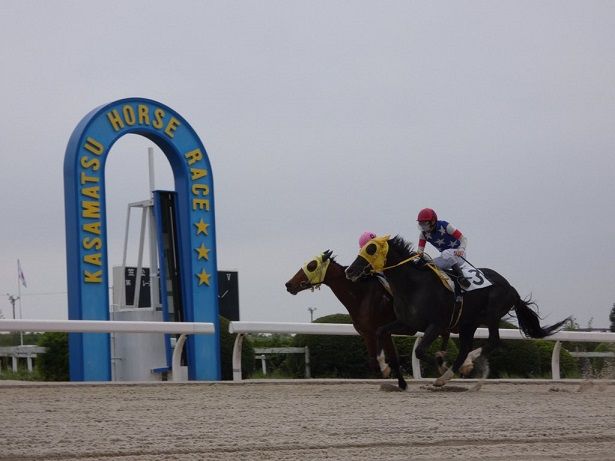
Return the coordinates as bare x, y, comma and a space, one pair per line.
468, 365
494, 338
370, 341
492, 343
466, 335
429, 336
466, 338
391, 351
381, 334
441, 354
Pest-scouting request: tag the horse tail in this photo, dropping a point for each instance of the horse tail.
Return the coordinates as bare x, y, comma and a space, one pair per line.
529, 321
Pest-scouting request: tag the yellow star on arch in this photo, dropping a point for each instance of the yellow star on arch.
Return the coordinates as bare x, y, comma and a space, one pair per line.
203, 277
202, 226
203, 252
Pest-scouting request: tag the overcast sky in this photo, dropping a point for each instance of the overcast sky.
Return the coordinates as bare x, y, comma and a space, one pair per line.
323, 119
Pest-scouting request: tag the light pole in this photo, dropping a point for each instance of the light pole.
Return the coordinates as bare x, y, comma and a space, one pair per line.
311, 309
12, 299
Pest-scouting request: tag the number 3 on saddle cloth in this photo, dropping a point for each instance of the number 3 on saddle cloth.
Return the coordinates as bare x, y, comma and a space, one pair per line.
473, 275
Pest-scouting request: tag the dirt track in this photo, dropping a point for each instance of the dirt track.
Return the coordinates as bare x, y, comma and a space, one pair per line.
330, 420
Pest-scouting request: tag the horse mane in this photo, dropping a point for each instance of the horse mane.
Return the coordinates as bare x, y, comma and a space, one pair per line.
400, 245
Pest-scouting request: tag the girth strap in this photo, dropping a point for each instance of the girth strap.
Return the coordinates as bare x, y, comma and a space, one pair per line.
457, 310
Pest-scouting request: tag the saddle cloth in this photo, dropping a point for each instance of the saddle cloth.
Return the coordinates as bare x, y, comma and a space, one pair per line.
476, 278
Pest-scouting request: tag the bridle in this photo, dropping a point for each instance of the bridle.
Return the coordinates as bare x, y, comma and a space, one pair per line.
316, 277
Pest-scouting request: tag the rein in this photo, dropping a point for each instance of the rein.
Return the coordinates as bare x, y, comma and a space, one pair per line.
411, 258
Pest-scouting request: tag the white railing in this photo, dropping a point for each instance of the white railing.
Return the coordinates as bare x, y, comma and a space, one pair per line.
116, 326
243, 328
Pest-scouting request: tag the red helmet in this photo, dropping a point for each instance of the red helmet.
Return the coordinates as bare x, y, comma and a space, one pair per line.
427, 214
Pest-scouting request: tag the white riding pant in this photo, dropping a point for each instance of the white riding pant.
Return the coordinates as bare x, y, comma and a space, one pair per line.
447, 259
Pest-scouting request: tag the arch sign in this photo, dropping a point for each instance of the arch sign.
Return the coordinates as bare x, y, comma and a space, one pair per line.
86, 230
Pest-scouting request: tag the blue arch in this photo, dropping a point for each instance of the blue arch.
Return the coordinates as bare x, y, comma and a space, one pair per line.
86, 230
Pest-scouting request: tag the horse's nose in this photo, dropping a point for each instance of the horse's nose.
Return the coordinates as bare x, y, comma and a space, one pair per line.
291, 288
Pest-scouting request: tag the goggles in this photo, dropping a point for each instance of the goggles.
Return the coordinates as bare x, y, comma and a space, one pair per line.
425, 226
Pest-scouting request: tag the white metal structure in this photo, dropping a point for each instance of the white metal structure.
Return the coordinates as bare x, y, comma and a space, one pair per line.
133, 357
148, 222
27, 352
110, 326
263, 351
243, 328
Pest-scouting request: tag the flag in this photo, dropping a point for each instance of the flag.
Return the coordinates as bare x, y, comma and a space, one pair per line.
20, 275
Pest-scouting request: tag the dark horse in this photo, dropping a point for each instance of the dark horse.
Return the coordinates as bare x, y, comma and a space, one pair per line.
422, 303
369, 304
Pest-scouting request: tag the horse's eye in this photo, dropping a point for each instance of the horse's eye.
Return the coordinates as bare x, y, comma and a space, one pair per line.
312, 266
371, 249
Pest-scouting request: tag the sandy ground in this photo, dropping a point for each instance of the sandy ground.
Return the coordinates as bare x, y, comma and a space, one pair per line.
308, 421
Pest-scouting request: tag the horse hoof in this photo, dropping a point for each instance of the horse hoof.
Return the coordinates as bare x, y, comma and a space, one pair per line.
386, 387
402, 385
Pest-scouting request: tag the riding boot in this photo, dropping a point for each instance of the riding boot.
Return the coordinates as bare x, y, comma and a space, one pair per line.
464, 282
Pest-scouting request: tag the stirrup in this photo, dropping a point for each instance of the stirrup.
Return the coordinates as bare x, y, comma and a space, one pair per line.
463, 282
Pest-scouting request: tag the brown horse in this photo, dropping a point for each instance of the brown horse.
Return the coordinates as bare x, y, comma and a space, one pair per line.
369, 304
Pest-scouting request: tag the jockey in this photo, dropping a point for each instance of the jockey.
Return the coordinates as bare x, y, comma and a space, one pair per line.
447, 239
365, 237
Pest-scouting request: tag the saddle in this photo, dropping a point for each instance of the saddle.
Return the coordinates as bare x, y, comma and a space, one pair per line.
446, 277
450, 281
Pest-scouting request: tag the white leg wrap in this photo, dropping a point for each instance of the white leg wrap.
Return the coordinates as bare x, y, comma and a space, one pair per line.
468, 365
384, 366
466, 368
445, 378
444, 366
473, 355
